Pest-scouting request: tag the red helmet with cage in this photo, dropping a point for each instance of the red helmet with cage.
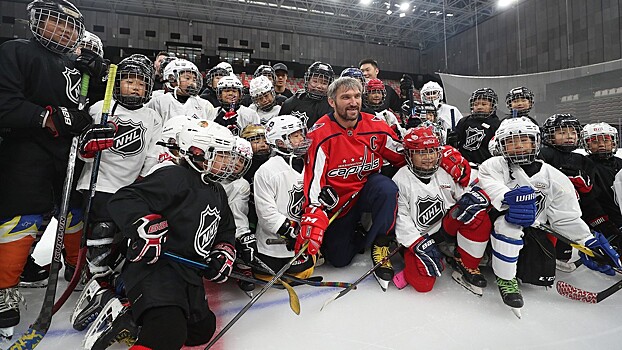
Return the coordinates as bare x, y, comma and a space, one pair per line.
422, 141
374, 85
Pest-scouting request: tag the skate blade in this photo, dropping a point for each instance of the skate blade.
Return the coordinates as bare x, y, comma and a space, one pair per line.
516, 312
6, 333
457, 276
566, 267
249, 293
383, 283
37, 284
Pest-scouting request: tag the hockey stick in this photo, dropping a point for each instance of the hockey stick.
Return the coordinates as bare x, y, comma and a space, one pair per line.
303, 281
39, 328
364, 276
295, 306
572, 292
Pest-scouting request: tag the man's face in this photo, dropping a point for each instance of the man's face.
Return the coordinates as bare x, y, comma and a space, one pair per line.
519, 145
281, 78
369, 71
59, 30
520, 104
347, 104
600, 144
133, 85
565, 135
482, 106
157, 62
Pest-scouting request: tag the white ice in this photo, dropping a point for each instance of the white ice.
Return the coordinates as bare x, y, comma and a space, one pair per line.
448, 317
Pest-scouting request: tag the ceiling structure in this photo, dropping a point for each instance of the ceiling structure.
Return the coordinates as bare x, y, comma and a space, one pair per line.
419, 25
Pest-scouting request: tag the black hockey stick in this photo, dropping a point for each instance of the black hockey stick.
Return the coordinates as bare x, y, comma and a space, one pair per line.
39, 328
572, 292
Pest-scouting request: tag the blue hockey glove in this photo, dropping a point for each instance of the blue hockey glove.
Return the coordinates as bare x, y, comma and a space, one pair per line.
429, 257
600, 244
522, 206
470, 205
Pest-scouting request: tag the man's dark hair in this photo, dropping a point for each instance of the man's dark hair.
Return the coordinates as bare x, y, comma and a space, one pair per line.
162, 53
371, 61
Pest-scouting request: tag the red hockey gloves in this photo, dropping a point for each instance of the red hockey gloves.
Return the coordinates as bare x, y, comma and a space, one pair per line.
313, 224
455, 165
67, 121
600, 244
287, 231
246, 244
430, 259
151, 229
522, 206
97, 138
470, 205
581, 181
220, 262
328, 198
92, 64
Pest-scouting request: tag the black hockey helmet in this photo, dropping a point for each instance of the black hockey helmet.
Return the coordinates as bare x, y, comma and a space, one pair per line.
483, 94
424, 109
318, 70
166, 60
133, 67
213, 73
266, 70
516, 93
68, 28
564, 122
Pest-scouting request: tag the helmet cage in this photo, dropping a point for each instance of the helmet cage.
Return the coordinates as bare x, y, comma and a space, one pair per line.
601, 132
60, 13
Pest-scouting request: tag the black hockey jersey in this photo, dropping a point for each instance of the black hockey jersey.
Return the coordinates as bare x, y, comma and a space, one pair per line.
605, 172
306, 109
473, 136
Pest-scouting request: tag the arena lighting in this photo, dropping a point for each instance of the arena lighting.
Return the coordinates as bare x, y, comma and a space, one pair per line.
365, 2
389, 12
505, 3
402, 14
404, 6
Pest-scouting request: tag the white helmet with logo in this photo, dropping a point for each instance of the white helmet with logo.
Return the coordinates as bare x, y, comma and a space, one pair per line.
280, 128
432, 92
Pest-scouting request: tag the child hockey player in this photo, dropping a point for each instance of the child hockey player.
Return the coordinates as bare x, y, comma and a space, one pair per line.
264, 99
374, 97
448, 115
231, 114
211, 80
519, 102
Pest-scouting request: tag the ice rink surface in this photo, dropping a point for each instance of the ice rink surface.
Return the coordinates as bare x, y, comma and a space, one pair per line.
448, 317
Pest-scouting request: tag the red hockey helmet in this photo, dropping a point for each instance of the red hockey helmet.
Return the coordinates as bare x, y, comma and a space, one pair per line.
422, 149
374, 85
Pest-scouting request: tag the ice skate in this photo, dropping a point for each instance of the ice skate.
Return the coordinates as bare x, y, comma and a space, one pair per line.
510, 293
10, 298
34, 275
379, 253
114, 324
90, 304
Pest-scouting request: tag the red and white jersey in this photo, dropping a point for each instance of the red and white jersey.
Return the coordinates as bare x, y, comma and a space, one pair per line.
556, 197
134, 149
343, 158
238, 193
168, 106
421, 206
278, 196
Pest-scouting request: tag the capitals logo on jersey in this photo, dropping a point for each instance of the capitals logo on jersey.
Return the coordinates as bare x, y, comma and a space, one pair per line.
474, 138
295, 202
204, 237
301, 115
72, 84
361, 166
429, 211
129, 139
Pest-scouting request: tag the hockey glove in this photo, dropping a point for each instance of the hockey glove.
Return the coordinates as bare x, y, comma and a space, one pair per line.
406, 86
246, 244
152, 229
430, 258
313, 224
97, 138
606, 227
522, 206
600, 244
581, 181
287, 231
219, 262
92, 64
470, 205
456, 166
328, 198
67, 121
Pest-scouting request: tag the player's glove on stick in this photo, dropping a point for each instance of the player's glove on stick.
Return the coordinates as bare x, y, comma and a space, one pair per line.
455, 165
97, 138
600, 244
220, 262
246, 244
430, 258
287, 231
470, 205
67, 121
313, 224
91, 63
522, 206
406, 85
151, 229
328, 198
603, 225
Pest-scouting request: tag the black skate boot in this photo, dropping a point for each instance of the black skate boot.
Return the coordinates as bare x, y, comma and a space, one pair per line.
379, 251
114, 325
33, 276
245, 286
473, 276
510, 293
10, 298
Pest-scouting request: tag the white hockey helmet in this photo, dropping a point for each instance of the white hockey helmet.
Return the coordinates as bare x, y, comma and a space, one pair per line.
260, 87
175, 69
209, 148
280, 128
228, 82
67, 26
173, 126
244, 158
92, 42
226, 66
511, 133
600, 139
432, 92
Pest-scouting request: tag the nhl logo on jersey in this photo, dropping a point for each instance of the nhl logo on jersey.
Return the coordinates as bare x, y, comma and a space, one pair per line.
204, 237
302, 116
295, 202
72, 84
474, 139
129, 139
429, 211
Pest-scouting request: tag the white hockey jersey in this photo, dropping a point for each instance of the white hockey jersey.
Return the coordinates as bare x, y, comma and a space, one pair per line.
263, 115
556, 197
238, 193
278, 190
245, 116
134, 151
444, 116
168, 106
421, 206
391, 120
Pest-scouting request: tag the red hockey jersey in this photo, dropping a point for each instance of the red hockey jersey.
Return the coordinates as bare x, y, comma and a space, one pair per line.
342, 158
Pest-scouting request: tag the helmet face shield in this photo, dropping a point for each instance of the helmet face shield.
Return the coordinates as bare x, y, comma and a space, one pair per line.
58, 26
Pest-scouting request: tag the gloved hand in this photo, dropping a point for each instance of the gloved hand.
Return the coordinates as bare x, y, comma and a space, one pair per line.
455, 165
328, 197
246, 244
469, 206
603, 225
67, 121
600, 244
219, 262
91, 63
313, 224
522, 206
429, 257
287, 231
581, 181
151, 229
97, 138
406, 86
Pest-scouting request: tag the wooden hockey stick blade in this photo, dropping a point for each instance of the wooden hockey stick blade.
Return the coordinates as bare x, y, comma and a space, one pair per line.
294, 301
574, 293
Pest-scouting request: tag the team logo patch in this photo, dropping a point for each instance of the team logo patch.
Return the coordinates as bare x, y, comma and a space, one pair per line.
204, 237
429, 211
315, 127
129, 139
301, 115
72, 84
295, 202
474, 139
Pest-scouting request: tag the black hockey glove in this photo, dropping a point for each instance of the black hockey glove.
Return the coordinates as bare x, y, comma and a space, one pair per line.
92, 64
68, 121
151, 229
246, 244
406, 85
287, 231
429, 259
328, 198
219, 262
97, 138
